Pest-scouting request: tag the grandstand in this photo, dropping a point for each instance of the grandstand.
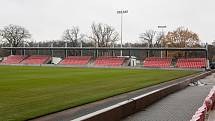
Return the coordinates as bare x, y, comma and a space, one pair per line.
150, 62
114, 60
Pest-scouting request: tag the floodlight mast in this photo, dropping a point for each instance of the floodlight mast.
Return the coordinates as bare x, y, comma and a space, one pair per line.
162, 27
121, 12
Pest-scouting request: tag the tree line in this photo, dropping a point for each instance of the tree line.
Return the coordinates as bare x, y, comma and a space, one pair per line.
102, 35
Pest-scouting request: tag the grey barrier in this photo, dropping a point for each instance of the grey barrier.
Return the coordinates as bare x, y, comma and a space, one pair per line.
133, 105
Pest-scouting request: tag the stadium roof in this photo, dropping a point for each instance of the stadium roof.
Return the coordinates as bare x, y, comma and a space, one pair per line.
105, 48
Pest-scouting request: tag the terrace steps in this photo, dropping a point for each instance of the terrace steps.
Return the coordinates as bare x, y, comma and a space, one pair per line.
13, 59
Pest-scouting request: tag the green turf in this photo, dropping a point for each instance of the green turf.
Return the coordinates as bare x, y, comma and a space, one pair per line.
27, 92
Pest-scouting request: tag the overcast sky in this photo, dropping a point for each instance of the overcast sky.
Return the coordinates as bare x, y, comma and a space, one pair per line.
47, 19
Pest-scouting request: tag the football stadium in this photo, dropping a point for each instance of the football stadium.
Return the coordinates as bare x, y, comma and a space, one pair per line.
36, 86
107, 60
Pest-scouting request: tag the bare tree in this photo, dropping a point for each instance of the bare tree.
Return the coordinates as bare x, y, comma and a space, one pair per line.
73, 35
148, 37
14, 35
103, 35
158, 40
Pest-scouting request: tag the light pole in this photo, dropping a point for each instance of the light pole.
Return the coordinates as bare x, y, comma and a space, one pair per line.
81, 47
162, 27
121, 12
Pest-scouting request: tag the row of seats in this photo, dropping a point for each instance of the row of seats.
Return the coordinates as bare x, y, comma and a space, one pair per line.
158, 62
37, 59
191, 63
70, 60
100, 61
106, 61
181, 63
208, 105
20, 59
109, 61
76, 60
13, 59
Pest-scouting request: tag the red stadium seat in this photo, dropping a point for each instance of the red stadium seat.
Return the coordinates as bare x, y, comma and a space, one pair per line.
109, 61
76, 60
37, 59
157, 62
191, 63
198, 117
13, 59
208, 102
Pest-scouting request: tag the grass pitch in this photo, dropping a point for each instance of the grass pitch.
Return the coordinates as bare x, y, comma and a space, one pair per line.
27, 92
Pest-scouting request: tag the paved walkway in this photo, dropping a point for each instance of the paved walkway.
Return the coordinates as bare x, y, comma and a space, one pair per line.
179, 106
